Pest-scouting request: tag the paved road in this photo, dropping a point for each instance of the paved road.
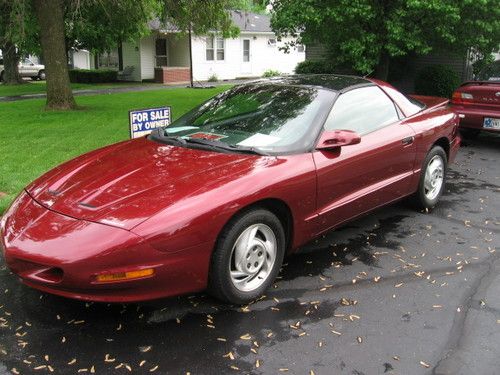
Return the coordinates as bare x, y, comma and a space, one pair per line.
397, 292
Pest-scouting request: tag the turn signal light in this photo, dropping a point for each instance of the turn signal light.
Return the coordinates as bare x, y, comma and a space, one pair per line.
462, 97
121, 276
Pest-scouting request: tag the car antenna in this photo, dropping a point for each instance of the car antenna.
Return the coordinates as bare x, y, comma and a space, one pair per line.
367, 74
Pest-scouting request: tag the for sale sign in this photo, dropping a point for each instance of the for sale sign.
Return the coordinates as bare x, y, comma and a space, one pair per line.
144, 121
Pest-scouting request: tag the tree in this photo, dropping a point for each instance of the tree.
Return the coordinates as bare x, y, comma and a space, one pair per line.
50, 17
17, 36
200, 16
100, 24
366, 34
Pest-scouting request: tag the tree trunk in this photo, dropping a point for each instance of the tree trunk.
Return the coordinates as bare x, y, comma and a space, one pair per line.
50, 19
382, 68
10, 74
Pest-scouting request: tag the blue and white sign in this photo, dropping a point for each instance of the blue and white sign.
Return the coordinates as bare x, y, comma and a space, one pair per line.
144, 121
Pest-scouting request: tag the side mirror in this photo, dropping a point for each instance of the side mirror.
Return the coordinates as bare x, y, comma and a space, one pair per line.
333, 139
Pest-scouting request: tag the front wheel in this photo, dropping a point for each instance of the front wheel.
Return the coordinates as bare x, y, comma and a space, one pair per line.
41, 75
247, 257
432, 179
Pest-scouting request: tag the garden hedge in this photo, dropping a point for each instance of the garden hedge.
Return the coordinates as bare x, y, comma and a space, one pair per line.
92, 75
436, 80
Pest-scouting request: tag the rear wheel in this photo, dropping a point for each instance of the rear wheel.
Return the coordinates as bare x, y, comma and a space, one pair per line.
41, 75
432, 179
247, 257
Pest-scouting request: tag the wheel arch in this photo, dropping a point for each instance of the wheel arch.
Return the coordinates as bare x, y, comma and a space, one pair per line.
279, 208
444, 143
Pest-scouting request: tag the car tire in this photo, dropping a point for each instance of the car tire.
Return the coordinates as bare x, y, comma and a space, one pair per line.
432, 179
41, 75
470, 133
247, 256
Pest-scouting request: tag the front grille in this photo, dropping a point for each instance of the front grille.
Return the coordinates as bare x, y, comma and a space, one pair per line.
35, 271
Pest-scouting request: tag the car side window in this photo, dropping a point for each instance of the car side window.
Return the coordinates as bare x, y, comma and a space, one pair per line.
362, 110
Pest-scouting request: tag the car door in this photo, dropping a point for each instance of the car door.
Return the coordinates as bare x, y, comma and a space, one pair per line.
27, 68
358, 178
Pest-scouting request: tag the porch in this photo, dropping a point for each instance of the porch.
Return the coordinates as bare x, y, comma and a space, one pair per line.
162, 57
171, 58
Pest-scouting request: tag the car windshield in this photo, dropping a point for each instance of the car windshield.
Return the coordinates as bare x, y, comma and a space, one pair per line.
268, 117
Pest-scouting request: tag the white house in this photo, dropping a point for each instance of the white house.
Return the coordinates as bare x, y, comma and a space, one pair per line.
164, 55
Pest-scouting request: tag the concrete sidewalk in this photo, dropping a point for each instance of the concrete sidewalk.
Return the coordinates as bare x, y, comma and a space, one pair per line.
115, 90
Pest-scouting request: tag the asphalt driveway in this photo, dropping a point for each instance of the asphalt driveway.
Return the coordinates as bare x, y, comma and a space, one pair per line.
397, 292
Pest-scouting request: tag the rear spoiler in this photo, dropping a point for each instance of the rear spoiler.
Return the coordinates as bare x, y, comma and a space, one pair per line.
479, 83
431, 102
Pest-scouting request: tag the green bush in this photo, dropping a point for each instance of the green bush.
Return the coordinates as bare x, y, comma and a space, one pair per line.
271, 73
315, 67
436, 80
213, 78
92, 75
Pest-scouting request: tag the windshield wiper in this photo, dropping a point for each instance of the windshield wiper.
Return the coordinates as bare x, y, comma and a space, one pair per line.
172, 139
224, 146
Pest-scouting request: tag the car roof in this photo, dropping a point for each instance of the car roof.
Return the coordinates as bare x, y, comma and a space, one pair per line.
333, 82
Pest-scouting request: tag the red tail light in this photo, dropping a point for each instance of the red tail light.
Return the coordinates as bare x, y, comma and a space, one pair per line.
461, 98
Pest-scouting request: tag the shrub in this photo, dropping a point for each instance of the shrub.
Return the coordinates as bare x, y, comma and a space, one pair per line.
436, 80
315, 67
271, 73
213, 78
92, 75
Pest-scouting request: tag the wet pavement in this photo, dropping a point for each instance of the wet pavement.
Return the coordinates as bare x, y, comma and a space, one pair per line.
396, 292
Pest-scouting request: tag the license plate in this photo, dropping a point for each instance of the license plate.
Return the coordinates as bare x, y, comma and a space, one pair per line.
491, 123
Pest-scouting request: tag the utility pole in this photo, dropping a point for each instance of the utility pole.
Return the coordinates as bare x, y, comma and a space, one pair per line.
190, 59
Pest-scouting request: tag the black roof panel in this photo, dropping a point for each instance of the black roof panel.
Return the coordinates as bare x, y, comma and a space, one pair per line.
333, 82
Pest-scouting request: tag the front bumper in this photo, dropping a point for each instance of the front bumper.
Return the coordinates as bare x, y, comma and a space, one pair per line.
62, 255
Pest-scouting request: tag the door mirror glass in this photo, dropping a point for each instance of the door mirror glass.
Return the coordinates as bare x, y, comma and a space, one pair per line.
333, 139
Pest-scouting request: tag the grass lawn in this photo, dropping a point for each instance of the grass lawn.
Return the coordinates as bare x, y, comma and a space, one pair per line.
33, 140
39, 87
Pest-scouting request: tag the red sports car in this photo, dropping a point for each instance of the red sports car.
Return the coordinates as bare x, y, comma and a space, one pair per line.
216, 199
478, 103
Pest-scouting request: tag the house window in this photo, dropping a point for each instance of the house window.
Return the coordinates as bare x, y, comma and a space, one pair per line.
215, 48
246, 50
161, 52
220, 49
271, 42
301, 48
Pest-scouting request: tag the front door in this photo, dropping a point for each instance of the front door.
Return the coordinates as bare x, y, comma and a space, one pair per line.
372, 173
246, 65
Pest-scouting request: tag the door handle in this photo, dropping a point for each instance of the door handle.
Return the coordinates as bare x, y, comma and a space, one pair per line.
407, 141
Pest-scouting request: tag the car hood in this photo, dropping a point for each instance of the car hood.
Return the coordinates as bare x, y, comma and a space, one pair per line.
125, 184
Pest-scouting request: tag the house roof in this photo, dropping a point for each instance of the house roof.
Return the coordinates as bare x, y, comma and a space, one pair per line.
251, 22
246, 22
